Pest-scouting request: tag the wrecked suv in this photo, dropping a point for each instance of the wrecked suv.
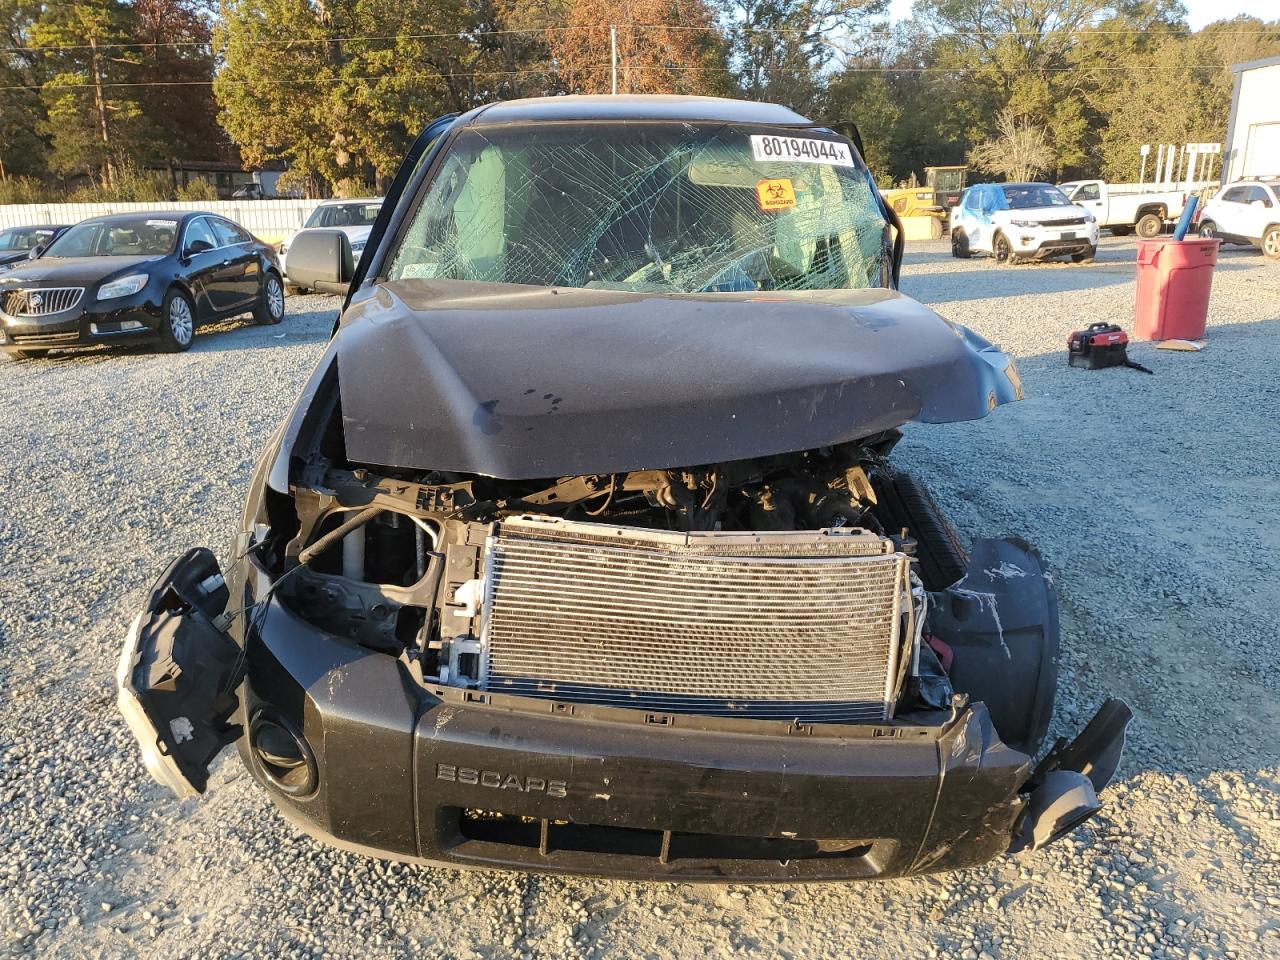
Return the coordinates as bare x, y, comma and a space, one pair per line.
583, 550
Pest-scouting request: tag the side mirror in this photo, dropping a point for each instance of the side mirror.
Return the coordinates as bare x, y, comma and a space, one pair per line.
321, 260
35, 253
197, 246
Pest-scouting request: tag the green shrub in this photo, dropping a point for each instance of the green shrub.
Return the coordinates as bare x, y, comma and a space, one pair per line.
198, 190
129, 184
23, 190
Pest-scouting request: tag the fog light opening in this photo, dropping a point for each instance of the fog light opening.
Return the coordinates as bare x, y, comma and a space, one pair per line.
282, 754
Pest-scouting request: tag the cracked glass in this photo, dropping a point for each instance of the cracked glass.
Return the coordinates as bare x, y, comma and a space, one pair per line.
661, 207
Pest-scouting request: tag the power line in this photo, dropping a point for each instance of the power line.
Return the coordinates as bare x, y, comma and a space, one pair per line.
552, 68
279, 41
564, 28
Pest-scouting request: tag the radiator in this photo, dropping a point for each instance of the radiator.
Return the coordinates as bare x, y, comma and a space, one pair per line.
800, 626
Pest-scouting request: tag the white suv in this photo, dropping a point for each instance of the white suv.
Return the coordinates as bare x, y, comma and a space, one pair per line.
1247, 211
1021, 221
353, 217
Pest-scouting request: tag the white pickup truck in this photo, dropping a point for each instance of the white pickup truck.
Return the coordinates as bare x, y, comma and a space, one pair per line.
1125, 207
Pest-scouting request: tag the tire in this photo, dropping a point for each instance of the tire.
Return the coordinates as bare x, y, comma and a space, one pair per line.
31, 354
1086, 256
1150, 226
1122, 231
1208, 230
1001, 249
1271, 242
270, 308
960, 245
903, 501
178, 325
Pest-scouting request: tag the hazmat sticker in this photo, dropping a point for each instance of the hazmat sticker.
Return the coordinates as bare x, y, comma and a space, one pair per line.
801, 150
777, 194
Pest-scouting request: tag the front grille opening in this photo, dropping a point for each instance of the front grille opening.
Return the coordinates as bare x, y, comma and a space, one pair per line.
554, 836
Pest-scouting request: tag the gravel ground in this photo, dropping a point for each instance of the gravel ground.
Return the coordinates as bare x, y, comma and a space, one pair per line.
1154, 502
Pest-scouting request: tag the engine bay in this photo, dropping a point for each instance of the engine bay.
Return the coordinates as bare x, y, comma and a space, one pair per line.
405, 564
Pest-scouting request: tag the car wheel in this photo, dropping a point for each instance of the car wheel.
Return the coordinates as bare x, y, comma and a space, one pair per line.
1085, 256
1150, 226
1208, 230
904, 502
1271, 243
1002, 249
270, 308
959, 245
178, 328
28, 354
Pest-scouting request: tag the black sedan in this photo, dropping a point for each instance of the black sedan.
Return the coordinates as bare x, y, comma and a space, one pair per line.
17, 244
138, 277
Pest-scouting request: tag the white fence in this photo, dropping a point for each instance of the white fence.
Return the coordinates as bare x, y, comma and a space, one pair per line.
269, 220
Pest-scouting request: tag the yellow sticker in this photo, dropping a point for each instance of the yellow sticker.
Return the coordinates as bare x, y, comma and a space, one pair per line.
776, 194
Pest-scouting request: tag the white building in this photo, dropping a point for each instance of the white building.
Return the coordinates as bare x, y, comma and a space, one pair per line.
1253, 132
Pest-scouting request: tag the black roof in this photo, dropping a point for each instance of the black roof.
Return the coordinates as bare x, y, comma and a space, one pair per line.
636, 107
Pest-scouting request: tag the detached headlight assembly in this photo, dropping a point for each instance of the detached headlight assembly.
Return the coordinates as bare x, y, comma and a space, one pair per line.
124, 287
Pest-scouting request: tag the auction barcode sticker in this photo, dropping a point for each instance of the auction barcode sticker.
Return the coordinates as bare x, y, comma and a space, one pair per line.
801, 150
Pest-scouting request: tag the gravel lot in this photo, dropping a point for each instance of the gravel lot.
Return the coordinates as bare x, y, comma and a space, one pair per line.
1153, 498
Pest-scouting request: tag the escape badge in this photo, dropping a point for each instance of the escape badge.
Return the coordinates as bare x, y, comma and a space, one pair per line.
777, 194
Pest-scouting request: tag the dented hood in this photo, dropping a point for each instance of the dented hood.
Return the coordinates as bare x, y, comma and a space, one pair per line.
518, 382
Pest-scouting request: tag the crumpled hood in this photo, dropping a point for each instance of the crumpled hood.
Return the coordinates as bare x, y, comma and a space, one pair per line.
521, 382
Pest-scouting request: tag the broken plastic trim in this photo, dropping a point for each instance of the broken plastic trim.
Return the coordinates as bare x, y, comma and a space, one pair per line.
178, 673
1064, 787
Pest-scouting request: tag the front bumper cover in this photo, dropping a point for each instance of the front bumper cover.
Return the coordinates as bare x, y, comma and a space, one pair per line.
610, 792
356, 752
136, 317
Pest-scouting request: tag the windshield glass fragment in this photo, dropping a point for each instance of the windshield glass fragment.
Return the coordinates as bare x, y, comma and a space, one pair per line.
675, 208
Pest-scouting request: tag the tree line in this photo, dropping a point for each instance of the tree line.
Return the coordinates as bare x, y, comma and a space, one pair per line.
94, 91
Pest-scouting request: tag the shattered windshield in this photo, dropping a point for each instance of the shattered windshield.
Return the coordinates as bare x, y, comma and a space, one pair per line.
664, 207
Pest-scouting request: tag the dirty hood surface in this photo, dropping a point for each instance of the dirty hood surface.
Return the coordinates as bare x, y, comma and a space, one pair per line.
519, 382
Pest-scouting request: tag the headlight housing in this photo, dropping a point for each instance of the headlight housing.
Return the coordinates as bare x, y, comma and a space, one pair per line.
1023, 223
124, 287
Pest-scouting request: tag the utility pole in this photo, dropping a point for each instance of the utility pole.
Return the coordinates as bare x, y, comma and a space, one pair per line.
613, 59
100, 103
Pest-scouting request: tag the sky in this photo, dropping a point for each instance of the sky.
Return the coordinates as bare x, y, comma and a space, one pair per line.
1199, 12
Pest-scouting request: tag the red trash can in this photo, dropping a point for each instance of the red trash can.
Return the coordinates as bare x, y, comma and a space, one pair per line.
1174, 279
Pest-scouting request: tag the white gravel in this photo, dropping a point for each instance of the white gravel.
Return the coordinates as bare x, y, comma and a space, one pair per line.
1153, 498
